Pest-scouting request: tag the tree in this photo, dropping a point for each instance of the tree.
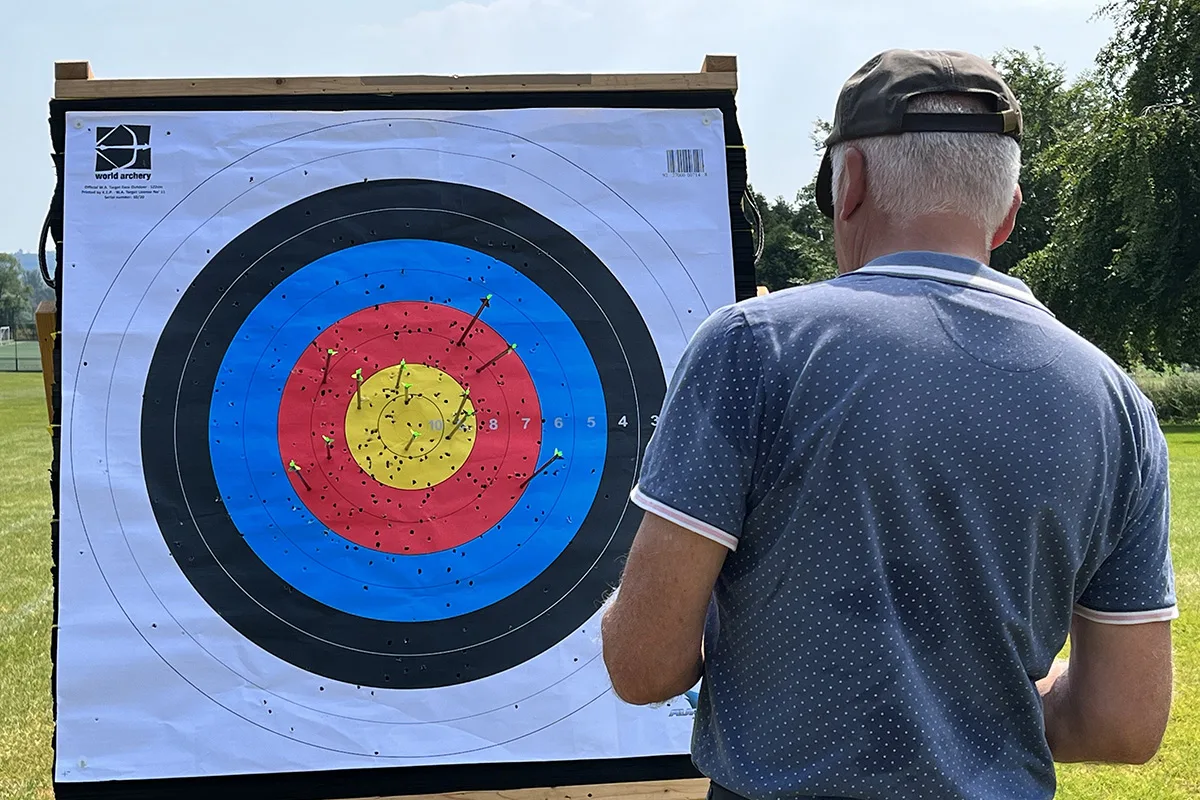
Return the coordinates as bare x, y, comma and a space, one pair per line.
1053, 112
798, 242
14, 292
1122, 265
39, 291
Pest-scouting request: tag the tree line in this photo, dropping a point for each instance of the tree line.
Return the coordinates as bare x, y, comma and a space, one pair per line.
21, 290
1109, 233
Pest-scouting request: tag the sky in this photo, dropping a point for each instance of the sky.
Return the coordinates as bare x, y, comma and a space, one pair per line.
793, 55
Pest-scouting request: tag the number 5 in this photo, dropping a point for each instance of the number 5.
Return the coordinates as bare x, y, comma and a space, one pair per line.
591, 422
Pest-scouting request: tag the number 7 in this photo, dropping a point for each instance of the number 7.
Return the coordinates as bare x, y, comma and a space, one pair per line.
526, 421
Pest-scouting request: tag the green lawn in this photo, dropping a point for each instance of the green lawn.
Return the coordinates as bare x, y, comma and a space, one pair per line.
25, 616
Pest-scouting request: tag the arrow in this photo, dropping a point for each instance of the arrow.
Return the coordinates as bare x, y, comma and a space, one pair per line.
296, 469
484, 302
507, 350
557, 455
330, 353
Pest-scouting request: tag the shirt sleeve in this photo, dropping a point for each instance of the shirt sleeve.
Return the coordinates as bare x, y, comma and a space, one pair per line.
1136, 583
700, 459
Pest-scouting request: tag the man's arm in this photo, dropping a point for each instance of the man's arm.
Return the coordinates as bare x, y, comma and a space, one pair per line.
694, 486
653, 627
1112, 702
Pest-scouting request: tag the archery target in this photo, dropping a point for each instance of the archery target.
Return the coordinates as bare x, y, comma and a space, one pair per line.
370, 398
345, 529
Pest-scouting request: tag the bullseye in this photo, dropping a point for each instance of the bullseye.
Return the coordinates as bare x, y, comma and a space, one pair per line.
392, 426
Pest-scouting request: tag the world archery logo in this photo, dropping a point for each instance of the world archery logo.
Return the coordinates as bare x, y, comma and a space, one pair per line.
123, 147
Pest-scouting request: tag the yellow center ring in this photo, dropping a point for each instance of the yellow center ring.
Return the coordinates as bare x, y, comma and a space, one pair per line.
411, 430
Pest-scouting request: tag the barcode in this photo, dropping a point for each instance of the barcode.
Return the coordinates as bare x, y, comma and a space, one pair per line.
685, 162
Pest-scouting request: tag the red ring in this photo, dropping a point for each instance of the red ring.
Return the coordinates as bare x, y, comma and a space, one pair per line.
424, 519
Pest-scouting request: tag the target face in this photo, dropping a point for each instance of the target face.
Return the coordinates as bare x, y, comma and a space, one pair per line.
404, 432
352, 406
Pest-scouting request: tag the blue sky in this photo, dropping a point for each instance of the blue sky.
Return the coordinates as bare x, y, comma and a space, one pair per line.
793, 54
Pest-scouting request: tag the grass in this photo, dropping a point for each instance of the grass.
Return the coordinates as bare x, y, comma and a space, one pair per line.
25, 617
25, 589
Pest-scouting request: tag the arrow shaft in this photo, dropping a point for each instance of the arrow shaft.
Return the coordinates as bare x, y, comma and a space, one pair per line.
507, 350
484, 303
539, 470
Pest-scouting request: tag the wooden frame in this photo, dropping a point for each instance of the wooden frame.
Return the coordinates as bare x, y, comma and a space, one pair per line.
76, 85
74, 80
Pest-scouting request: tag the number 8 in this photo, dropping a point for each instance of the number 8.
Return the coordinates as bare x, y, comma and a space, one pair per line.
493, 424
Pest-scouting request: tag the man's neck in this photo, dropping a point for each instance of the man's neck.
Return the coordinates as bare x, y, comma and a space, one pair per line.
938, 235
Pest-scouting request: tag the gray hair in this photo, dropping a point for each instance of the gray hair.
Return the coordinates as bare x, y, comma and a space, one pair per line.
916, 174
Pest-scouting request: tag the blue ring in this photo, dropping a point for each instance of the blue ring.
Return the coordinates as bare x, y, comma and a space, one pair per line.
332, 570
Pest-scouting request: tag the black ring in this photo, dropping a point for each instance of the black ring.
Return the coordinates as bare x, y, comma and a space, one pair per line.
257, 602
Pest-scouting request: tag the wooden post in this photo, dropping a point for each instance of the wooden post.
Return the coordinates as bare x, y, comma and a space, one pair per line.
46, 315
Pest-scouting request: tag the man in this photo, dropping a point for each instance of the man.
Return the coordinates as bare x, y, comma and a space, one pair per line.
879, 504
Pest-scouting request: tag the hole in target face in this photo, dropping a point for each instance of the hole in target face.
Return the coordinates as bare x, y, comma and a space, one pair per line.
399, 457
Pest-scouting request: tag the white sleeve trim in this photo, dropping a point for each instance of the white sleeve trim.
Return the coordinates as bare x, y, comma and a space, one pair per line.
644, 501
1128, 617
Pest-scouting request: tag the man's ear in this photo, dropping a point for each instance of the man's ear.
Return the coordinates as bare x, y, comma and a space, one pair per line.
1010, 220
854, 183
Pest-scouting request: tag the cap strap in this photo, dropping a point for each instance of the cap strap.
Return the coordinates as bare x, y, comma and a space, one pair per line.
1007, 122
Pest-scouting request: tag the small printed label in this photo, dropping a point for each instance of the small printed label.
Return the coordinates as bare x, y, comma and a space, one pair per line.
685, 162
124, 168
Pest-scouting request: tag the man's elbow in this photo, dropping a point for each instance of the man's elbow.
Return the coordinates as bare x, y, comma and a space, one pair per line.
641, 677
1130, 739
1135, 748
637, 684
638, 694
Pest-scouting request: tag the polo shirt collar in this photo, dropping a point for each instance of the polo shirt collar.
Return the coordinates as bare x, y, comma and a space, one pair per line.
950, 269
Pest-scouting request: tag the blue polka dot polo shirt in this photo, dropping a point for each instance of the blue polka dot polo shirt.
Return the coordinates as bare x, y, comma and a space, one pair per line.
920, 475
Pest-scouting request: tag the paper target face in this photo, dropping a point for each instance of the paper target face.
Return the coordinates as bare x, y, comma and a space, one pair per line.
353, 404
421, 406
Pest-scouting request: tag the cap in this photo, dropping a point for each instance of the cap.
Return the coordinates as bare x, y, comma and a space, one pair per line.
874, 102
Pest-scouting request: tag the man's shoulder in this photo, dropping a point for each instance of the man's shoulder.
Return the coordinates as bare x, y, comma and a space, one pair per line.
808, 304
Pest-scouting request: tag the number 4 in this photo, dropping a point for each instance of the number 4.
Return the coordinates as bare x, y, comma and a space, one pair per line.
623, 422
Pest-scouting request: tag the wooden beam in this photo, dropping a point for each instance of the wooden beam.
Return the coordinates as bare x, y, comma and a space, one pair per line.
45, 317
695, 789
719, 64
72, 71
74, 88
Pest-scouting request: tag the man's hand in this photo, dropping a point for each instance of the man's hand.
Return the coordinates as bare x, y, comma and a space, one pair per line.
652, 629
1112, 702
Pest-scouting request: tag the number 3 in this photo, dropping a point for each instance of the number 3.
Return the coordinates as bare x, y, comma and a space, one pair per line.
653, 420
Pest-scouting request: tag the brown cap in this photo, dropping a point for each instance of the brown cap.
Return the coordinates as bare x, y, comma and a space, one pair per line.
874, 102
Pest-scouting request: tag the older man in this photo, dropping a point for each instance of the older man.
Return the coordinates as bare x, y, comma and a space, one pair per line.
876, 506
